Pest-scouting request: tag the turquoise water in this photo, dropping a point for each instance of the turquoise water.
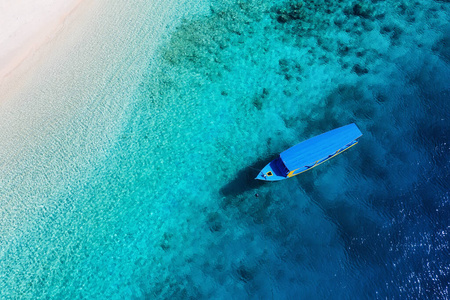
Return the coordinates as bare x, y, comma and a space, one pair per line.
167, 209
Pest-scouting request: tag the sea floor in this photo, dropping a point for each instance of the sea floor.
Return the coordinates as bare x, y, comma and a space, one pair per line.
151, 194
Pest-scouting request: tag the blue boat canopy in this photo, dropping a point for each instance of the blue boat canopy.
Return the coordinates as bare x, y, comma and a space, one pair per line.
309, 152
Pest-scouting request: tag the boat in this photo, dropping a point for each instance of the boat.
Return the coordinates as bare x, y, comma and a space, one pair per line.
310, 153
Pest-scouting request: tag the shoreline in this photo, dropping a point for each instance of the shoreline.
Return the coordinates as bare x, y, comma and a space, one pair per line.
24, 36
65, 106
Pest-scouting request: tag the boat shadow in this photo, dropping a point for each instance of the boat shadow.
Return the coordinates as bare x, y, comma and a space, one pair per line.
245, 178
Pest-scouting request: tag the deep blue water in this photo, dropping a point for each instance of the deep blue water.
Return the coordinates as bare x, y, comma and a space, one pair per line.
171, 212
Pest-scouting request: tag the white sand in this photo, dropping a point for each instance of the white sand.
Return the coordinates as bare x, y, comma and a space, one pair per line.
75, 82
26, 25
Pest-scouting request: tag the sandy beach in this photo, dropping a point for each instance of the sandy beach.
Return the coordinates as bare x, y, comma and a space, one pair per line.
77, 64
26, 26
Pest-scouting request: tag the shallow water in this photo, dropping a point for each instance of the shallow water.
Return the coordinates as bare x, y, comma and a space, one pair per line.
168, 207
